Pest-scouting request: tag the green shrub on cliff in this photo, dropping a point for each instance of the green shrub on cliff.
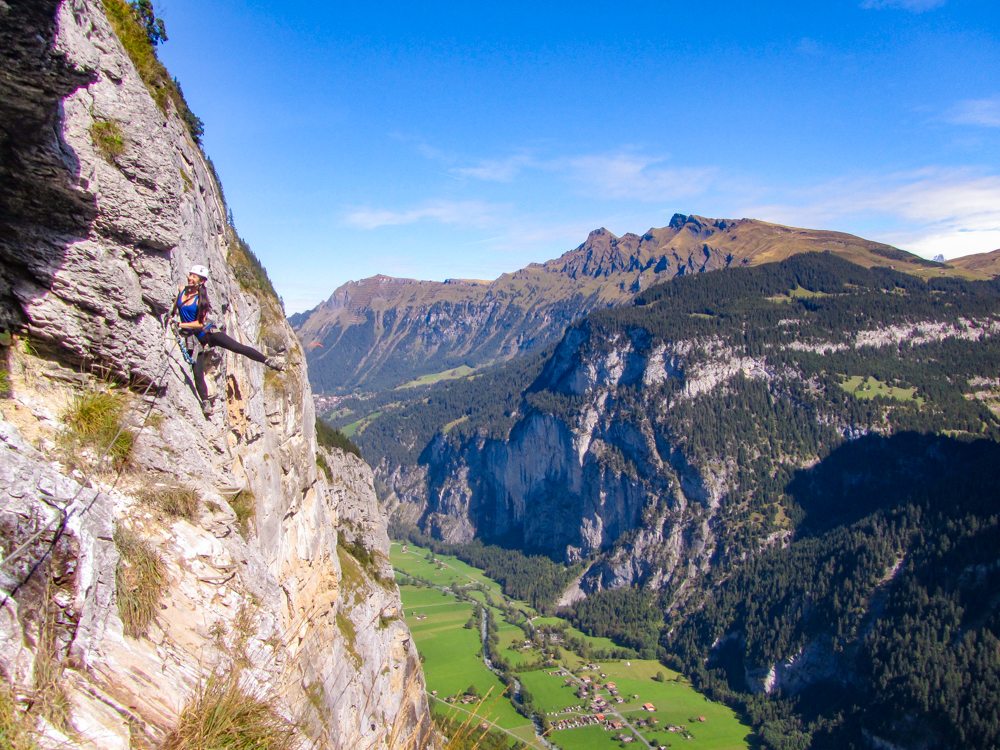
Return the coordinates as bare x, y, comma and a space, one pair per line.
139, 31
108, 139
248, 270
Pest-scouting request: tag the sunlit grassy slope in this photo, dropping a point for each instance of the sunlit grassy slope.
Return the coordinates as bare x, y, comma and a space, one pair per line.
456, 372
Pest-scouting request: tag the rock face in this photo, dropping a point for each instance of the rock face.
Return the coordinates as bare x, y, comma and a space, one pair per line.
93, 249
380, 332
597, 479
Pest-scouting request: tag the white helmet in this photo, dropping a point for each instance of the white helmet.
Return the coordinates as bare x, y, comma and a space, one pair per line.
200, 271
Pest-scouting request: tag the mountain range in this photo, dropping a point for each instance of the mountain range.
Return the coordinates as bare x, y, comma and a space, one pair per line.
382, 332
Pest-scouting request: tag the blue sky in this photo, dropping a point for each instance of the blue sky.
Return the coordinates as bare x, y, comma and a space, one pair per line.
437, 140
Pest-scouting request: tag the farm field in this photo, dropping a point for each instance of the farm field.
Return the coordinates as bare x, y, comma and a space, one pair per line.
453, 662
450, 652
352, 429
449, 570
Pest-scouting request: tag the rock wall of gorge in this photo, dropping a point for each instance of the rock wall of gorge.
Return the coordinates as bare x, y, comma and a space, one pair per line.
621, 464
258, 585
600, 478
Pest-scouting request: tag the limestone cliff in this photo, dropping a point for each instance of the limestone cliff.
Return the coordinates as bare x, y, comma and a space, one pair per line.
257, 585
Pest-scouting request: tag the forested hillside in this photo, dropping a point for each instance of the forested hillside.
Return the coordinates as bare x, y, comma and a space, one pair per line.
788, 470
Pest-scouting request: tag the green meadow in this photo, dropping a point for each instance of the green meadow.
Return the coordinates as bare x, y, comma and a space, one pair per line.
453, 374
452, 661
451, 653
352, 429
862, 387
796, 293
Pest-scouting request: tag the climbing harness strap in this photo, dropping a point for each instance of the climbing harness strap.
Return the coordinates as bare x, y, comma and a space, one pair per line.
182, 345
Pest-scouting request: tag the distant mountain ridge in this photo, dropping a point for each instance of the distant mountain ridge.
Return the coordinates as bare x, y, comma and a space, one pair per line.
382, 331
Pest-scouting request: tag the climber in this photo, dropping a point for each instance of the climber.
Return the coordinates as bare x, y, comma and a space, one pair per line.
192, 306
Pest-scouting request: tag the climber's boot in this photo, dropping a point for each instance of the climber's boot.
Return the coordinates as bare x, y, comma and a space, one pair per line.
274, 363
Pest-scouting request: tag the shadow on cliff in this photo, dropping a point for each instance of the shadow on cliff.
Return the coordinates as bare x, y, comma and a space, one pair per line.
937, 472
43, 205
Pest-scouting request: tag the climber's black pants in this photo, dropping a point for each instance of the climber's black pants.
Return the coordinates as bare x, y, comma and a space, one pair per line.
217, 338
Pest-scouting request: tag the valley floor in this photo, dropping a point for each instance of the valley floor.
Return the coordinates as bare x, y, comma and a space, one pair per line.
453, 662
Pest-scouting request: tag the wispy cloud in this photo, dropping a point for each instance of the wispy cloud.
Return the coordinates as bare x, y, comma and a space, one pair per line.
636, 177
625, 175
515, 227
984, 112
929, 211
914, 6
472, 213
953, 211
810, 47
496, 170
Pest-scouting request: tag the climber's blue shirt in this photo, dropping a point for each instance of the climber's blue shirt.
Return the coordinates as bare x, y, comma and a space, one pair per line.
189, 313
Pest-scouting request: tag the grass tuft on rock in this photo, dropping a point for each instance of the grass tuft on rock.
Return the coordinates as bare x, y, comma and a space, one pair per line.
324, 467
17, 726
96, 418
140, 580
175, 502
350, 634
244, 505
225, 716
48, 698
108, 139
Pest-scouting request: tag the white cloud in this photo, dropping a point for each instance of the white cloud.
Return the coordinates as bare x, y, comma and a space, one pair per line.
914, 6
629, 176
473, 213
952, 243
496, 170
625, 175
985, 112
935, 210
